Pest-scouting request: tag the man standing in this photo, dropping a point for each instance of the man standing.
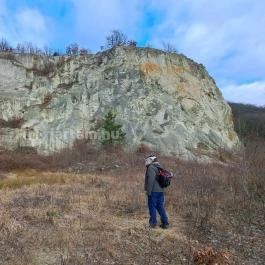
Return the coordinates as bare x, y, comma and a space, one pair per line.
154, 193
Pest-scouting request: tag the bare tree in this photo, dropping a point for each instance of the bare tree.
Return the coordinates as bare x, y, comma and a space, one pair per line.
116, 38
170, 48
132, 43
21, 48
48, 51
84, 51
4, 46
72, 49
29, 48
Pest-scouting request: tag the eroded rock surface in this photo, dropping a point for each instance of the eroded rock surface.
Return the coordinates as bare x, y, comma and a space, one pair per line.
165, 101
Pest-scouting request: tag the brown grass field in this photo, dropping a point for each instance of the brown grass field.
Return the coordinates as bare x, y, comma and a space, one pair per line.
84, 206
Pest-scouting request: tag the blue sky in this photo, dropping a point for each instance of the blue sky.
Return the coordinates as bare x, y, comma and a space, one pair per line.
227, 36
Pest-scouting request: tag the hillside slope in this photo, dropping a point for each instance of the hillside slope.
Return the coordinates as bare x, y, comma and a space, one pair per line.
249, 120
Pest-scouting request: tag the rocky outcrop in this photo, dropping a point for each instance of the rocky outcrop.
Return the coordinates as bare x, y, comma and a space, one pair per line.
164, 101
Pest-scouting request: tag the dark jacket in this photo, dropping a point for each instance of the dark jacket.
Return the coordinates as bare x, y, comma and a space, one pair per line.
150, 182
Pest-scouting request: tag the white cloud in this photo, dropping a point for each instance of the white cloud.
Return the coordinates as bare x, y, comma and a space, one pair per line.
24, 25
87, 22
96, 18
31, 20
32, 26
253, 93
227, 36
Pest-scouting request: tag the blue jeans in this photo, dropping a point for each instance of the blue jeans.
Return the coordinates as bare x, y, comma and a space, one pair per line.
156, 203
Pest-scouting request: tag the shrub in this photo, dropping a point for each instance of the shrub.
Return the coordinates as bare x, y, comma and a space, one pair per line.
14, 122
114, 134
143, 149
46, 100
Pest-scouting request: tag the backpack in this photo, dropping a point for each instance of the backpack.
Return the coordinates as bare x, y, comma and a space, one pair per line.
164, 177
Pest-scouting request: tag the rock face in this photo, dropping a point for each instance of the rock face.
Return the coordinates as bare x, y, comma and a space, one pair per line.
164, 101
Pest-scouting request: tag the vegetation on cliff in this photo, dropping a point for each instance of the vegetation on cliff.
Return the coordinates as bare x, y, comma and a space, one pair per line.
113, 39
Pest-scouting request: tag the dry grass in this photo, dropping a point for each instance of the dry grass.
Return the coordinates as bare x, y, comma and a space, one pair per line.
84, 206
19, 178
16, 160
98, 220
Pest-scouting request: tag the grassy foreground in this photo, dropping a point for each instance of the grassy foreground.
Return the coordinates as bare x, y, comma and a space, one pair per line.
94, 211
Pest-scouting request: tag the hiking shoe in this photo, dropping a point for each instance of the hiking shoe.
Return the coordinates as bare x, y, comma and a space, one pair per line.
152, 226
164, 226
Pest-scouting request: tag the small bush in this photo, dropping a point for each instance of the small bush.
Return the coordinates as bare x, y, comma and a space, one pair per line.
15, 122
115, 135
143, 149
7, 55
46, 100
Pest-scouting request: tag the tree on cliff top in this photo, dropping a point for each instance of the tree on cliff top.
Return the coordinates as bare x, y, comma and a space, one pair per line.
4, 46
116, 38
170, 48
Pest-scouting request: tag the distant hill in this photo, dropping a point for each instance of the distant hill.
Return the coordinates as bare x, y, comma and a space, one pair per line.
248, 119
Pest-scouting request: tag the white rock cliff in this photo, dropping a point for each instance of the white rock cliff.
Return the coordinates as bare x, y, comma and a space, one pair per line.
164, 101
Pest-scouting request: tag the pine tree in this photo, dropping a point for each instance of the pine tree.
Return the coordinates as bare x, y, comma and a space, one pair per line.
114, 133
